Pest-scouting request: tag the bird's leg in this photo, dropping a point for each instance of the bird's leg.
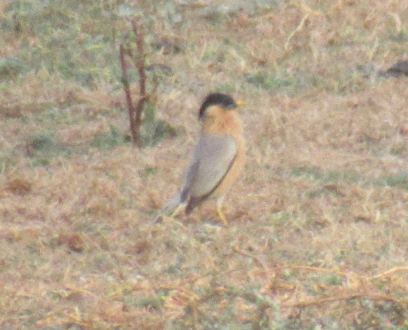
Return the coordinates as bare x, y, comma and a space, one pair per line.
171, 210
220, 200
177, 210
199, 213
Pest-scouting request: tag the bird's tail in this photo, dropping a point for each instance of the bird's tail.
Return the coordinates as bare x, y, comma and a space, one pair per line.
173, 207
173, 204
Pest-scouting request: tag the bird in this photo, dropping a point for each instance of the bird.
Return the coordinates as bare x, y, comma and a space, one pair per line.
218, 159
398, 69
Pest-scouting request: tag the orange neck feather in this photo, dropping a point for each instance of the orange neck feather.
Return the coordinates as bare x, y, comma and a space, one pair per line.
222, 122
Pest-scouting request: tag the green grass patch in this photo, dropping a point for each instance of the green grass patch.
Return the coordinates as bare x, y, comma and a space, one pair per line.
76, 43
317, 174
10, 67
269, 81
42, 148
6, 162
399, 180
109, 140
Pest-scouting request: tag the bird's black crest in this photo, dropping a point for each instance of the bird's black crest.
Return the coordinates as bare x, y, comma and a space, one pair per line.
223, 100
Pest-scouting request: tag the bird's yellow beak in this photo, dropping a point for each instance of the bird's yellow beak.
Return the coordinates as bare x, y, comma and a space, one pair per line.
240, 103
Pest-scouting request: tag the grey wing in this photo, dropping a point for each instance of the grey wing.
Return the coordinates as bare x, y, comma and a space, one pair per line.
212, 159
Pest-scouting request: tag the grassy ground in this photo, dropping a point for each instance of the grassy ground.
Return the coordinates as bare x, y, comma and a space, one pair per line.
318, 224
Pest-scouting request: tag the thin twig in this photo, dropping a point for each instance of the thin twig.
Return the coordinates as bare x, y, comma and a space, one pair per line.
259, 261
389, 272
125, 82
267, 269
326, 300
343, 298
298, 28
141, 67
77, 319
71, 288
314, 269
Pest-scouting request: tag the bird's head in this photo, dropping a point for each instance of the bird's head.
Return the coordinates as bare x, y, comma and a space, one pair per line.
223, 101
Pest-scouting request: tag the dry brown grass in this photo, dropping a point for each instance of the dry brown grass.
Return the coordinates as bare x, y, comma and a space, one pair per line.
318, 224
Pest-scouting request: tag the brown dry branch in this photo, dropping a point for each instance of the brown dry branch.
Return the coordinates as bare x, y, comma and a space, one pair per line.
125, 82
135, 114
140, 62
